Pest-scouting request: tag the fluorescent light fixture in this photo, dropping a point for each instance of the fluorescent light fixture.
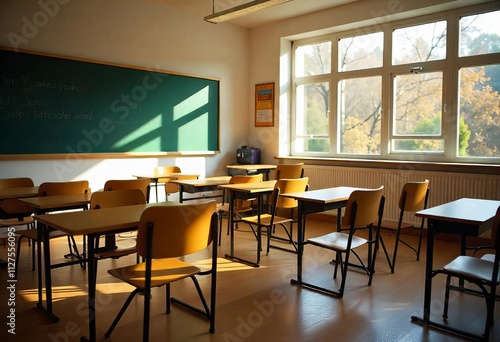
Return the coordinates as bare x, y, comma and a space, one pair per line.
241, 10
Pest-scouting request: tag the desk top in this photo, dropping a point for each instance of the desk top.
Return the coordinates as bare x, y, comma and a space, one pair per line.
250, 187
324, 196
58, 201
19, 192
464, 210
99, 220
156, 176
249, 167
203, 182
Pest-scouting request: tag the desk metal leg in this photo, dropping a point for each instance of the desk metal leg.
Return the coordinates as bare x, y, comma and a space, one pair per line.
181, 191
91, 276
231, 220
300, 244
428, 278
156, 189
43, 238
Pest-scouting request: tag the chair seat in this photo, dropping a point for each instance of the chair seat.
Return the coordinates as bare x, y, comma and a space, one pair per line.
393, 225
123, 247
265, 219
337, 241
471, 267
163, 271
225, 208
489, 257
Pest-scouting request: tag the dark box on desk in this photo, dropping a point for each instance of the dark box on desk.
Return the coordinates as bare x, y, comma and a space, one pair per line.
248, 155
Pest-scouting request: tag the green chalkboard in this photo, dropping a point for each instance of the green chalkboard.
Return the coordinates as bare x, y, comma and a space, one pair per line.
54, 105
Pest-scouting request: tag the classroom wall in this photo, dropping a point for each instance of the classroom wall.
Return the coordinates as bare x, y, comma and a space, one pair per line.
148, 33
270, 47
140, 33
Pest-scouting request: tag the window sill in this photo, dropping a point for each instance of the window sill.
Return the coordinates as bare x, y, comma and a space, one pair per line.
487, 169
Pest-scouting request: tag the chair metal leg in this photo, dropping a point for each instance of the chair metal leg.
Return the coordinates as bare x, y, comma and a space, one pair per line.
120, 314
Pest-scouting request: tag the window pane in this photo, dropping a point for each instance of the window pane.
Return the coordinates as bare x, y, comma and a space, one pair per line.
418, 145
418, 104
479, 34
362, 52
313, 59
312, 117
419, 43
360, 102
479, 117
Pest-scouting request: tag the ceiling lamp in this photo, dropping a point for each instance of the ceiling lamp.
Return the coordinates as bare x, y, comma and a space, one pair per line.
241, 10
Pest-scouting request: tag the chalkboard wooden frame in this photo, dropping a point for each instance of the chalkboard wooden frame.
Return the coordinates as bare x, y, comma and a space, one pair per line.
55, 107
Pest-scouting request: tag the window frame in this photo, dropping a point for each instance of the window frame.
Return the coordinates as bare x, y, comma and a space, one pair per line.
450, 68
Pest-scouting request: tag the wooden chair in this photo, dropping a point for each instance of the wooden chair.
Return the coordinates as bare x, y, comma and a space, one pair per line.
14, 213
12, 209
109, 199
483, 272
270, 220
414, 196
165, 234
143, 184
240, 206
289, 171
364, 209
54, 189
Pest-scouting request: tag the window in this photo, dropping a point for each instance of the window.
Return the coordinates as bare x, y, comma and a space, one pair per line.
360, 101
401, 92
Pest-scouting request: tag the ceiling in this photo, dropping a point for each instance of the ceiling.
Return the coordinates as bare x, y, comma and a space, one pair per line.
202, 8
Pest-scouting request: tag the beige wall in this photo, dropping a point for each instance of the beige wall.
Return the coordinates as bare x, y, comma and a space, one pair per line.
141, 33
150, 34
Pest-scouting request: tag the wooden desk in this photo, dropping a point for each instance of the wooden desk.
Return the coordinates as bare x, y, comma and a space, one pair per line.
251, 169
46, 204
312, 202
464, 217
193, 186
19, 192
155, 177
91, 223
43, 205
245, 191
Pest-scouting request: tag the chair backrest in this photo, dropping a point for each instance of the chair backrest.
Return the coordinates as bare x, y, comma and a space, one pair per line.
495, 228
116, 198
63, 188
176, 230
364, 207
12, 207
16, 182
169, 187
142, 184
414, 196
167, 169
289, 171
287, 186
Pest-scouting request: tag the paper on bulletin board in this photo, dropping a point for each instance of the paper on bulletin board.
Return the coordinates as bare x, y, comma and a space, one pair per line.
264, 105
